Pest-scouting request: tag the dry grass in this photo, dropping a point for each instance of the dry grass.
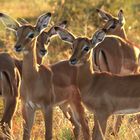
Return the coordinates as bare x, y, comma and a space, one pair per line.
62, 128
83, 21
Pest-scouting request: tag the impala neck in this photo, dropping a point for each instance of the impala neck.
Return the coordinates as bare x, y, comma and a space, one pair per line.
29, 67
18, 64
119, 32
85, 73
39, 59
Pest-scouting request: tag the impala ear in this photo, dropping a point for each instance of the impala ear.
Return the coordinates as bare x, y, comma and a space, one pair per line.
52, 31
121, 17
9, 22
98, 37
104, 15
22, 21
64, 34
63, 24
42, 22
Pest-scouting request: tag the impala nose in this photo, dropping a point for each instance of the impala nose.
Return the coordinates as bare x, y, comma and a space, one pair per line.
73, 61
43, 52
18, 48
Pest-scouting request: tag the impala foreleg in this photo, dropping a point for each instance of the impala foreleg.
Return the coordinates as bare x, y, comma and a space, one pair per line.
79, 114
100, 121
28, 113
68, 114
48, 116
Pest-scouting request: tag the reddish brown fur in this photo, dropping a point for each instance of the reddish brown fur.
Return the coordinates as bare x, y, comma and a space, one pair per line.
114, 54
37, 89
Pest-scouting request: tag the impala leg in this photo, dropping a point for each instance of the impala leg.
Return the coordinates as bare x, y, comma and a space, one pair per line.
79, 115
138, 118
48, 116
100, 121
6, 121
10, 103
65, 110
117, 123
9, 109
28, 115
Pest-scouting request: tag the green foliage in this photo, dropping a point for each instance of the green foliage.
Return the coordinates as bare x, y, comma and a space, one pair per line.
66, 134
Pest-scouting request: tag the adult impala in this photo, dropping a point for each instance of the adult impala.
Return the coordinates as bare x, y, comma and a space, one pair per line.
103, 93
39, 88
115, 54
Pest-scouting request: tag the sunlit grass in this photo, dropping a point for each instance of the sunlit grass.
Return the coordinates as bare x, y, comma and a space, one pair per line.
62, 128
83, 20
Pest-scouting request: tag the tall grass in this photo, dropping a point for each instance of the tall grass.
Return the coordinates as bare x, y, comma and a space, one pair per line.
83, 20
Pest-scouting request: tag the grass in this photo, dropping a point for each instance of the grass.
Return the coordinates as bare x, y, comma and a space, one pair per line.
83, 20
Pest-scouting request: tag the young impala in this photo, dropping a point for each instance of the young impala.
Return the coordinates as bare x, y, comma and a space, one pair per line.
40, 87
115, 54
9, 87
103, 93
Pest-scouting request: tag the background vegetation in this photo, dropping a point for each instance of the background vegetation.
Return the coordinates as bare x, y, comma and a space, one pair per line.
83, 20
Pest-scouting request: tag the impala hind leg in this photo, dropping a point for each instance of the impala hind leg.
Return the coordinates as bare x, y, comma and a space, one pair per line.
28, 113
9, 109
10, 103
117, 124
68, 114
48, 116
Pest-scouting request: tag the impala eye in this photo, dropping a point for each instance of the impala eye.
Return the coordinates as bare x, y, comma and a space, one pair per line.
113, 26
30, 35
86, 48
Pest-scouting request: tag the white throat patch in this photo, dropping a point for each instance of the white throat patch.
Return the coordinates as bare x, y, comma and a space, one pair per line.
25, 52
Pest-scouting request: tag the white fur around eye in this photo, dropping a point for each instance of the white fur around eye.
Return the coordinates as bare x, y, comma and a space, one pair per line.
30, 34
85, 46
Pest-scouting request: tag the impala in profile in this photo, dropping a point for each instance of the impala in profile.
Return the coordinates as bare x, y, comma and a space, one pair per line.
116, 54
104, 94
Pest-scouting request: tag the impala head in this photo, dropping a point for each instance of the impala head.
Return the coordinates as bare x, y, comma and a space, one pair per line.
43, 39
113, 24
26, 33
81, 46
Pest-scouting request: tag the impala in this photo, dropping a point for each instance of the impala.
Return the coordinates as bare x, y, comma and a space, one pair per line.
103, 93
40, 88
10, 77
115, 54
11, 69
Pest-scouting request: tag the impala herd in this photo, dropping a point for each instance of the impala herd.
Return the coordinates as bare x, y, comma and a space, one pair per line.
102, 74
